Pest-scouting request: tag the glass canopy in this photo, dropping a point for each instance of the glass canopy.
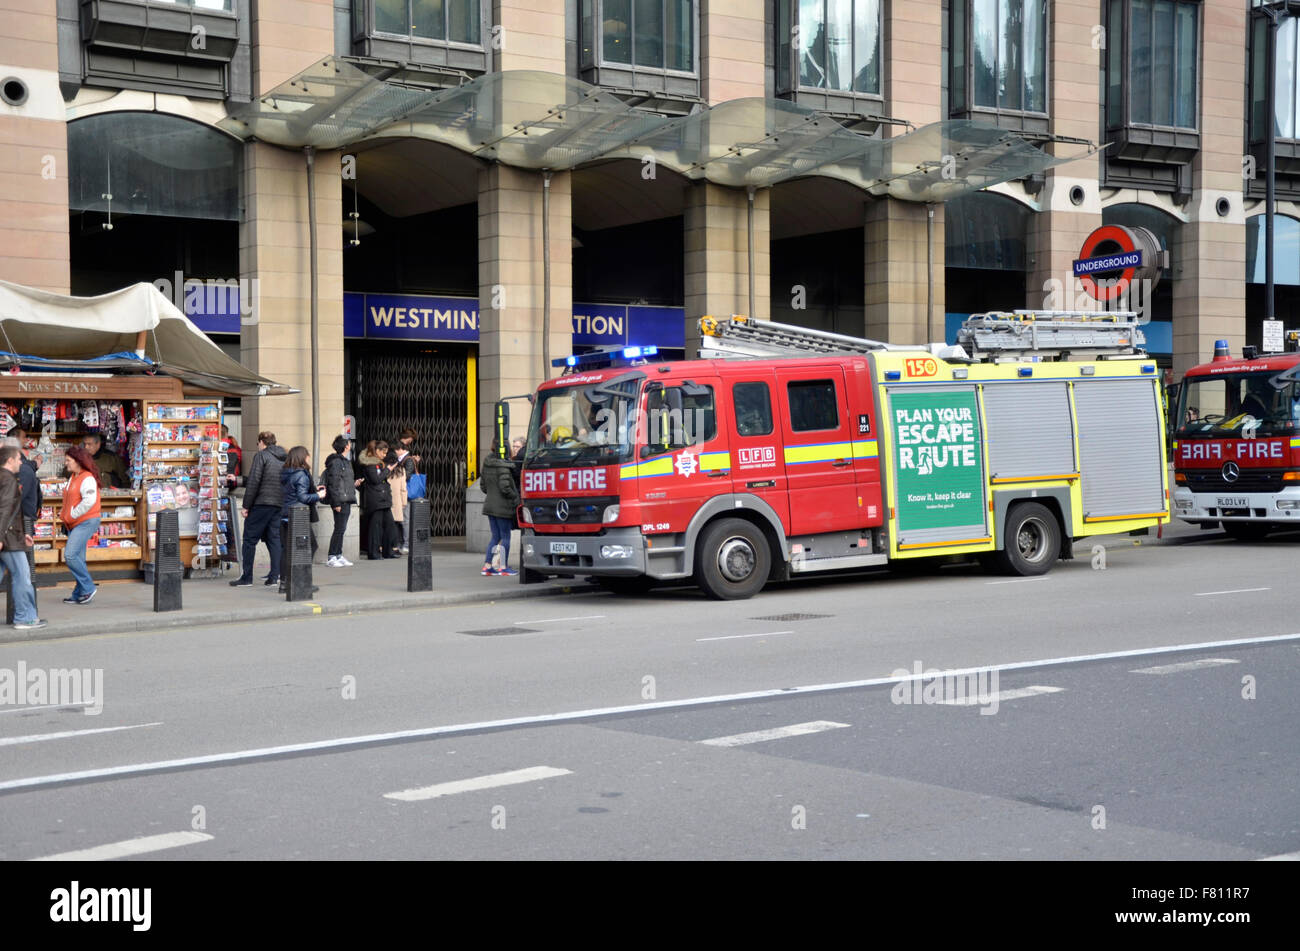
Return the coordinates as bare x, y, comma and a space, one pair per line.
541, 120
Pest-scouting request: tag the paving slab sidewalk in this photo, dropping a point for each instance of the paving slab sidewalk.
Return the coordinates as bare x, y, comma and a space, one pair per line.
366, 586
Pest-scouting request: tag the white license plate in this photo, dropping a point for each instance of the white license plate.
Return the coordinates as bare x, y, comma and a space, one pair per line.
1232, 503
564, 548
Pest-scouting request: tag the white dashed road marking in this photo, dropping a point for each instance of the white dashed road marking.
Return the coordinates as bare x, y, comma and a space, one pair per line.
1185, 665
991, 698
38, 737
120, 850
512, 778
762, 736
732, 637
1206, 594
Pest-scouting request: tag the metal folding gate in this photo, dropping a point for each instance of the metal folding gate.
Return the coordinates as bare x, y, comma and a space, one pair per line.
426, 392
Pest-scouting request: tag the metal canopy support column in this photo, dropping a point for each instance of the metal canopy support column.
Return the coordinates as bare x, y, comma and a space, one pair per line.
750, 225
546, 274
309, 154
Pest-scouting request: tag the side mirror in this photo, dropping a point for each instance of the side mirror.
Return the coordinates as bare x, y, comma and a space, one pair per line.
648, 451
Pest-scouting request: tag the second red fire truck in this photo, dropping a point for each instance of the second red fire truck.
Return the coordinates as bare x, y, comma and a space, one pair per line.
788, 451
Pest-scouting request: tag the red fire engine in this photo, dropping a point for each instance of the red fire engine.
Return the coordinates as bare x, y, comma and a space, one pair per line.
788, 451
1237, 443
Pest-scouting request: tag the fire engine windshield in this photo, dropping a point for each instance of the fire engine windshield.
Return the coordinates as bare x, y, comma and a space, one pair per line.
1234, 405
584, 425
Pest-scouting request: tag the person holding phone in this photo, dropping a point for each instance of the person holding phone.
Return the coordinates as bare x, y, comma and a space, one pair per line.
296, 487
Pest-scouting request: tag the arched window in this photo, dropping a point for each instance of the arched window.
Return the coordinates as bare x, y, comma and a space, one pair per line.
151, 163
987, 231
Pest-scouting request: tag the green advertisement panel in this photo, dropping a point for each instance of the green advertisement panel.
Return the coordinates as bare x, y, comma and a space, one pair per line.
938, 460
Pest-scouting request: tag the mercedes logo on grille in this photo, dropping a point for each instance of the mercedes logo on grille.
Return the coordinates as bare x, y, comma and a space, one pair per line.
1231, 472
562, 508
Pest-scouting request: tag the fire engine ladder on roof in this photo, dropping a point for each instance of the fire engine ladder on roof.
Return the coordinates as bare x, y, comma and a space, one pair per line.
739, 336
1001, 337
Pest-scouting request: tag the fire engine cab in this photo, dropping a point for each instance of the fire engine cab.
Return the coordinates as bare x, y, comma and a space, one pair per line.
1237, 442
786, 451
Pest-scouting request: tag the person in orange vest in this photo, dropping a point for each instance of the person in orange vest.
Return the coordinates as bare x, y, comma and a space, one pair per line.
80, 518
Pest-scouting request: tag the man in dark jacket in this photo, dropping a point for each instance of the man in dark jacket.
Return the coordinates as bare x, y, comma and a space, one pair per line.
261, 509
14, 541
112, 470
340, 494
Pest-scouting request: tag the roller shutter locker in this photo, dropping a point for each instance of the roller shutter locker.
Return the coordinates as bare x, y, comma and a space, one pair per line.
1119, 447
1029, 429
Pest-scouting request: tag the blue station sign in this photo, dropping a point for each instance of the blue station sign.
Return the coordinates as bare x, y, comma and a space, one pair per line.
456, 320
1108, 262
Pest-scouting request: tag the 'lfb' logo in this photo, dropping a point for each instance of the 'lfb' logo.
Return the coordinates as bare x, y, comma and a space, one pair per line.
758, 455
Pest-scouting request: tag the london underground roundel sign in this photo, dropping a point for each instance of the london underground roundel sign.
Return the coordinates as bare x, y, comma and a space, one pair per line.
1113, 256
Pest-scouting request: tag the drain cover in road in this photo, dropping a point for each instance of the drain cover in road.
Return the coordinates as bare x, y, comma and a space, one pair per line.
494, 631
791, 617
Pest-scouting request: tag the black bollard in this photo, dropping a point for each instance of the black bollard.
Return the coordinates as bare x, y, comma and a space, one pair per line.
419, 563
297, 556
168, 572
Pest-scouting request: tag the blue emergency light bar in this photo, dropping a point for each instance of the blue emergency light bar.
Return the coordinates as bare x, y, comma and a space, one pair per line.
609, 357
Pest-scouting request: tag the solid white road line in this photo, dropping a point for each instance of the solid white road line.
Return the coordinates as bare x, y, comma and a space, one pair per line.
512, 778
556, 620
1019, 580
1287, 857
120, 850
1206, 594
1185, 665
1000, 696
762, 736
732, 637
373, 739
38, 737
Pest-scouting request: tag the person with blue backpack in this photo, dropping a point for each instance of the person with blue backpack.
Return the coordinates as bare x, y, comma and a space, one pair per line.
409, 462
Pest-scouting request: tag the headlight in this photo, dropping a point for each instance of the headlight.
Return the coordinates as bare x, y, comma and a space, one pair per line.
611, 515
529, 551
1288, 503
525, 516
615, 551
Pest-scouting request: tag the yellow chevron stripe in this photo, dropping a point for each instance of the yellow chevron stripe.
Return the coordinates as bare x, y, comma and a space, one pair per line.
865, 449
715, 460
1295, 442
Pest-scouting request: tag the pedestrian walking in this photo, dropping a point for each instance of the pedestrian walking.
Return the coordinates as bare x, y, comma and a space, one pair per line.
263, 499
15, 540
340, 495
296, 490
80, 518
401, 508
499, 500
377, 500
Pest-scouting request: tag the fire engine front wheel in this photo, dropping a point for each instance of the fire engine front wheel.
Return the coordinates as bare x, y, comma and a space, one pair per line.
732, 561
1032, 540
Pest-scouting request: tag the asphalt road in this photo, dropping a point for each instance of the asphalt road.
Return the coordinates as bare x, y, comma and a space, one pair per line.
576, 727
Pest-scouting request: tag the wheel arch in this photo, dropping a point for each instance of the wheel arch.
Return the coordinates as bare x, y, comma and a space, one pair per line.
1055, 500
740, 505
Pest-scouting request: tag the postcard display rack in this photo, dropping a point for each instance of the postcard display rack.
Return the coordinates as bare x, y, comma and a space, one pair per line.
182, 461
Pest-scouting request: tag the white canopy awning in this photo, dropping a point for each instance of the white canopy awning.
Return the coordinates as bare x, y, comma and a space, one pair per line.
41, 330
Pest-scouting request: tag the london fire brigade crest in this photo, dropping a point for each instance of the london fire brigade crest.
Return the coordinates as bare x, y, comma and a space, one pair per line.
686, 463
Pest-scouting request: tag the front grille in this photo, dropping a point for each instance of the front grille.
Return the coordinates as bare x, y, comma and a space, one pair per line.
588, 510
1250, 480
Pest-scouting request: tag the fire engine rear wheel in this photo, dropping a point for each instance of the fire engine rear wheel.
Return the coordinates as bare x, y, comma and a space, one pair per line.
732, 561
1247, 531
1033, 540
